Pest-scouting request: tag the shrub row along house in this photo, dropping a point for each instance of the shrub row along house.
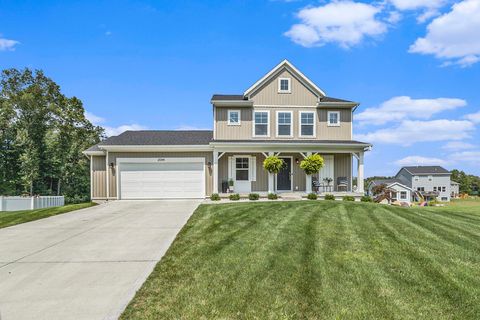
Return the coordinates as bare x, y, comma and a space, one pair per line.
417, 183
284, 113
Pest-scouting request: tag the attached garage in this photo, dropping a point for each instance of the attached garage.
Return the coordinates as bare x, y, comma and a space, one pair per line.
161, 178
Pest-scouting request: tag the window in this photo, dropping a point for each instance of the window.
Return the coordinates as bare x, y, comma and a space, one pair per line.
421, 189
261, 128
284, 85
233, 117
430, 178
416, 178
444, 198
444, 189
284, 123
403, 195
333, 118
434, 188
241, 169
307, 124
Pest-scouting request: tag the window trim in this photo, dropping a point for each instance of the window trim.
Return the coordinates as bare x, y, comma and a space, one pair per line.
239, 117
268, 124
403, 198
243, 169
291, 125
338, 117
300, 125
289, 85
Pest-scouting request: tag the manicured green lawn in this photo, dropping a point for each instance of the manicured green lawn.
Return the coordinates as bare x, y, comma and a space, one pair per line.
12, 218
318, 260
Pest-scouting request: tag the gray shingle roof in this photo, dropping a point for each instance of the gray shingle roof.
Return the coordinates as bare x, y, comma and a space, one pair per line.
161, 137
426, 170
228, 97
330, 99
297, 141
386, 181
94, 148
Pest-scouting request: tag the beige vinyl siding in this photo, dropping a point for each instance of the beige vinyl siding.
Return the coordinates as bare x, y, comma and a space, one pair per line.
244, 131
268, 94
233, 132
99, 188
98, 177
342, 167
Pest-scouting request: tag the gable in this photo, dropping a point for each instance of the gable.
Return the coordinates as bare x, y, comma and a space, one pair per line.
300, 94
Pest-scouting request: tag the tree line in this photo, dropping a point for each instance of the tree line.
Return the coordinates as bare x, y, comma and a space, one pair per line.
42, 136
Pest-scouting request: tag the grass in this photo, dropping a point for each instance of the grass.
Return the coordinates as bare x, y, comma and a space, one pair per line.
318, 260
12, 218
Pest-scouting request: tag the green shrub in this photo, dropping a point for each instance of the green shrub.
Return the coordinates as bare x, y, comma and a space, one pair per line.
366, 199
432, 203
312, 196
272, 196
76, 199
273, 164
234, 197
348, 198
215, 197
329, 197
253, 196
312, 164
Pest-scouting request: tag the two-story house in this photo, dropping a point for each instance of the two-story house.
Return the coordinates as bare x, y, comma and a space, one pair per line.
284, 114
430, 181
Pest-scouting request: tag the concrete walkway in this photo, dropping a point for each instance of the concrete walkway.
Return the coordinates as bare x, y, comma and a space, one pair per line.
85, 264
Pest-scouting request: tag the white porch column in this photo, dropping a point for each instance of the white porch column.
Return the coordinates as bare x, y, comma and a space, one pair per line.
271, 188
360, 187
215, 171
308, 180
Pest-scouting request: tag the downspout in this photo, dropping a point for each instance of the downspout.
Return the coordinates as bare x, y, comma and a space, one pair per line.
107, 171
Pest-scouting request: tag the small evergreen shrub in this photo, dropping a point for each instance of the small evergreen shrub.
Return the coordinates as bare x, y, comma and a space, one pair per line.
215, 197
312, 196
234, 197
253, 196
329, 197
366, 199
272, 196
348, 198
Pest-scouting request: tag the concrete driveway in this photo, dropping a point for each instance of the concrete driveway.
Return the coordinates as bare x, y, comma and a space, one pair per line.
85, 264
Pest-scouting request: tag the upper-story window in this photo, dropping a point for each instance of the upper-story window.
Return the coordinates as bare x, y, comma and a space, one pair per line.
284, 123
307, 124
233, 117
333, 118
284, 85
261, 126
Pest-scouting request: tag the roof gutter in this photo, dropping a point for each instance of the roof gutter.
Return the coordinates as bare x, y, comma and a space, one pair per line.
150, 148
232, 103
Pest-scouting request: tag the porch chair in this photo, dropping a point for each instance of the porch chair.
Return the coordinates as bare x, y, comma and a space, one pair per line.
342, 182
316, 185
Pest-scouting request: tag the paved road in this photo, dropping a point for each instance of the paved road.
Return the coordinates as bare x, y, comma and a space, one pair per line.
85, 264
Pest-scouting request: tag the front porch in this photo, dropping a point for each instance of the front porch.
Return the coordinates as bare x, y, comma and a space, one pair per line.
244, 168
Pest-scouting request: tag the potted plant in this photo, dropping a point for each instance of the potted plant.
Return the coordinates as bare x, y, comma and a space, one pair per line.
273, 165
230, 185
312, 164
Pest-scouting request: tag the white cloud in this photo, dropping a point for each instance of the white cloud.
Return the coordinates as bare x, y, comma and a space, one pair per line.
404, 107
344, 22
430, 8
472, 157
187, 127
454, 35
7, 44
420, 161
475, 117
394, 17
409, 132
108, 33
94, 119
458, 145
115, 131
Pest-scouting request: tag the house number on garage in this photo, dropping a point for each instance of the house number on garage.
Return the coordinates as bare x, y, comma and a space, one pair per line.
160, 159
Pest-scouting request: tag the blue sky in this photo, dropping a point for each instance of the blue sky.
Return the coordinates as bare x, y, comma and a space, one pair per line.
413, 65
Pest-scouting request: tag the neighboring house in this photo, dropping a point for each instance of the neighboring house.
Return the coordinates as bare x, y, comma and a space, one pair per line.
400, 192
454, 189
284, 113
429, 181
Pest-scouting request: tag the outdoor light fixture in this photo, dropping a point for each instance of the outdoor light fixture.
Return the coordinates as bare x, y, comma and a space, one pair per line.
209, 165
296, 160
111, 165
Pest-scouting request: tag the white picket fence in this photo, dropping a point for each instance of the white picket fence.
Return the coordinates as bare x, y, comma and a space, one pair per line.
29, 203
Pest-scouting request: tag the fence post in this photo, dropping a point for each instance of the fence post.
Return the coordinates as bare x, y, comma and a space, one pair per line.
32, 203
1, 203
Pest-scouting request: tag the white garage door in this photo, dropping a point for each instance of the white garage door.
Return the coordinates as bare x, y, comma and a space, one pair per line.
162, 180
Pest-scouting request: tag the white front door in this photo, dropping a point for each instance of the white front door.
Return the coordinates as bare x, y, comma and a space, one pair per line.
164, 180
241, 176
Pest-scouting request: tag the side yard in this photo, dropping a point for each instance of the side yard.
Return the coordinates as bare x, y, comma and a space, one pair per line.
12, 218
318, 260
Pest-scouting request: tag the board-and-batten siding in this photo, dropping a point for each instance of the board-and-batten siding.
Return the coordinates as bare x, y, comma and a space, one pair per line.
342, 168
244, 131
299, 96
99, 185
98, 177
